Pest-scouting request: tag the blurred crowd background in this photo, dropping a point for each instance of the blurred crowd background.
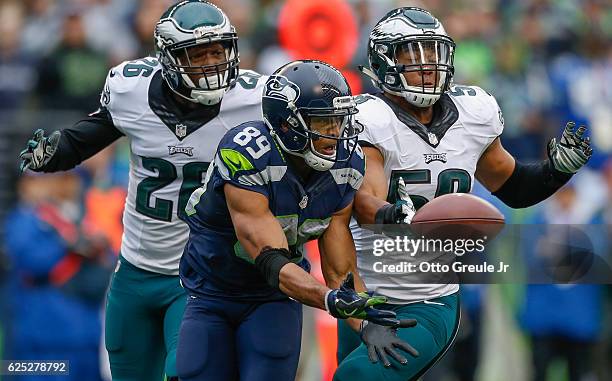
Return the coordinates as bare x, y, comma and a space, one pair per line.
546, 62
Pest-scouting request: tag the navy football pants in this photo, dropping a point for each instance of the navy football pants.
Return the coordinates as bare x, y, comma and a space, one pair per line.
223, 340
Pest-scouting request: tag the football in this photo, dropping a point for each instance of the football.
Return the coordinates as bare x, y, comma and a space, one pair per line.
456, 216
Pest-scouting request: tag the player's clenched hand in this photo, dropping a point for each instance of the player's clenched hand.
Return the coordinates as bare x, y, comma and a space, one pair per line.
345, 302
382, 341
39, 150
401, 212
572, 151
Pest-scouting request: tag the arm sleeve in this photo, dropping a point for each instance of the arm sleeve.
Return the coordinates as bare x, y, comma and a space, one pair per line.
83, 140
531, 183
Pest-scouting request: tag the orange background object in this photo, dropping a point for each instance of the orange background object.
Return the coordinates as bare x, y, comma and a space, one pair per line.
325, 30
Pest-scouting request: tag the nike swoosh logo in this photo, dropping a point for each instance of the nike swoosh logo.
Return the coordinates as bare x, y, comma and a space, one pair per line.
436, 303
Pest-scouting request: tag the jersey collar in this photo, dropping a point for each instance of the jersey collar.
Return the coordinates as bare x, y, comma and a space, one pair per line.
179, 120
445, 114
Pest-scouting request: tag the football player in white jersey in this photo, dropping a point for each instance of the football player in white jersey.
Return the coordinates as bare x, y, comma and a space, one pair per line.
423, 138
173, 109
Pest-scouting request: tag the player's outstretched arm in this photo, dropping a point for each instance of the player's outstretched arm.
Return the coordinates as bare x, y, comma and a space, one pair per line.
372, 194
338, 256
65, 149
337, 249
262, 237
370, 205
521, 185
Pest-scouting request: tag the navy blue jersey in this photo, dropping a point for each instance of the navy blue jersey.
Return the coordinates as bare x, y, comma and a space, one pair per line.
214, 263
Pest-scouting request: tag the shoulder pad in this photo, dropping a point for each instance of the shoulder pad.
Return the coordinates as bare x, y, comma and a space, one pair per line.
247, 147
245, 92
350, 172
129, 74
250, 80
473, 101
480, 108
126, 89
375, 116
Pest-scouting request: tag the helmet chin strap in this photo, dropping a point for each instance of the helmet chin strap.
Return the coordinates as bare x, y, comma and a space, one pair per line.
207, 97
415, 99
316, 162
310, 158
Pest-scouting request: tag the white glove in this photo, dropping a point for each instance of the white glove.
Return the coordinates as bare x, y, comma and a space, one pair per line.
572, 151
404, 201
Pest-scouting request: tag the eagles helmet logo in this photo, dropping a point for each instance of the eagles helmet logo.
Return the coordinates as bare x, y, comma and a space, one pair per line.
279, 87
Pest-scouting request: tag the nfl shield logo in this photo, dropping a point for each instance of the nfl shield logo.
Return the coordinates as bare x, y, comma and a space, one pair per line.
433, 139
304, 203
181, 130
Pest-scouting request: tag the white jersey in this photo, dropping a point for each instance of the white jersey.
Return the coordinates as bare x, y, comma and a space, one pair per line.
433, 161
169, 155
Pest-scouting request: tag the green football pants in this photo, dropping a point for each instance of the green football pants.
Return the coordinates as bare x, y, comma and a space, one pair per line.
143, 317
437, 324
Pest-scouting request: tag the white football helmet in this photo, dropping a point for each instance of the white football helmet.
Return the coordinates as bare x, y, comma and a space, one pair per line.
184, 26
411, 40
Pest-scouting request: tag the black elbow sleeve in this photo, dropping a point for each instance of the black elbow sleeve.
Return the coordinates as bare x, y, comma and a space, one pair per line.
269, 262
531, 183
83, 140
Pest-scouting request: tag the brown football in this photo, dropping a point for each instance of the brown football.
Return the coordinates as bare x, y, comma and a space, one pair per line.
456, 216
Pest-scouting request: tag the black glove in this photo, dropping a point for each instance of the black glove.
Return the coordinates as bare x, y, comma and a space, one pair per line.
381, 340
39, 151
401, 212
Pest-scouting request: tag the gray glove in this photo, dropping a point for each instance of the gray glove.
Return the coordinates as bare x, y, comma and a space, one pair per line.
381, 341
572, 151
39, 151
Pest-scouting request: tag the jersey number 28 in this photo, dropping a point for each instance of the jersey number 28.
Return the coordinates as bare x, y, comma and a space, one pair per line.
162, 208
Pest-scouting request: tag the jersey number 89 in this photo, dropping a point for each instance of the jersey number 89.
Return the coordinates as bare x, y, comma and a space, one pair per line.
246, 135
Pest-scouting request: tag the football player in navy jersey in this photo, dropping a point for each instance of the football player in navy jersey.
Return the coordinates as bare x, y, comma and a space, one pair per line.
273, 185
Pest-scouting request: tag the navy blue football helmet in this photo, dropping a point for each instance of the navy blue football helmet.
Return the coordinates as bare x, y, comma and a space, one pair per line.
301, 92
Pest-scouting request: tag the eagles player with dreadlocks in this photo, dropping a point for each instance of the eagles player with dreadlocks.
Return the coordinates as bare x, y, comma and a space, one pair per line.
427, 137
173, 109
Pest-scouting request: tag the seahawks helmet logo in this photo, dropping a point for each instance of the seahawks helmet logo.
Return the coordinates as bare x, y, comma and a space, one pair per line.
279, 87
